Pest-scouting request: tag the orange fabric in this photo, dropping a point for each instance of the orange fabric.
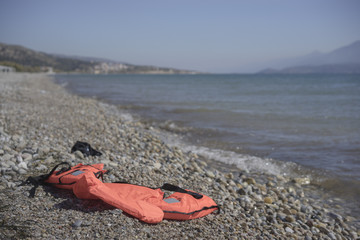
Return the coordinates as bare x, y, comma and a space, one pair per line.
187, 204
130, 200
144, 203
66, 179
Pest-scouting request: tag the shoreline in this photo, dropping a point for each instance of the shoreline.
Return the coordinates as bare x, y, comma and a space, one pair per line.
40, 121
211, 143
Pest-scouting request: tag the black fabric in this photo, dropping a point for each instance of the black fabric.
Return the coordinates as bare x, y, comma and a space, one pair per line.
85, 148
174, 188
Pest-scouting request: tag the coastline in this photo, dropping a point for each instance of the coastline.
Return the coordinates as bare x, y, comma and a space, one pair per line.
40, 121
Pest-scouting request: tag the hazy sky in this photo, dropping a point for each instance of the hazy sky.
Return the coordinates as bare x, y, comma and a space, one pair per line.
214, 36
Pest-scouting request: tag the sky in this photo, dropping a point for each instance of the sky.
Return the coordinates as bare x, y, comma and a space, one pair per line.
210, 36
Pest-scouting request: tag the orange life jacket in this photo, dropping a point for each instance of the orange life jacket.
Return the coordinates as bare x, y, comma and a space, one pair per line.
146, 204
66, 177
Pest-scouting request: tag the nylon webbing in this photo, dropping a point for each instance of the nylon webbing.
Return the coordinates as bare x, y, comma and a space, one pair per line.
40, 180
174, 188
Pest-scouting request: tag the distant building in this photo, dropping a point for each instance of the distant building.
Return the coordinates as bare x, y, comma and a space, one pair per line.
6, 69
106, 67
48, 70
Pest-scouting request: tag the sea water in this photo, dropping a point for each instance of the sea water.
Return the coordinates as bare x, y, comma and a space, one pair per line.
303, 125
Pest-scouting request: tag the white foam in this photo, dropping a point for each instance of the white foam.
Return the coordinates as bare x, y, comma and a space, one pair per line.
113, 109
243, 161
127, 117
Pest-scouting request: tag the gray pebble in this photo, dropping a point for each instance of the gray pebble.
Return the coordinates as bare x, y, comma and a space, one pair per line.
77, 223
289, 230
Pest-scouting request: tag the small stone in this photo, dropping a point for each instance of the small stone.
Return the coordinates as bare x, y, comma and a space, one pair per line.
302, 181
112, 177
229, 176
210, 174
332, 236
26, 157
335, 216
349, 219
232, 183
290, 219
79, 154
307, 238
21, 145
19, 159
250, 181
262, 187
354, 234
6, 157
241, 191
77, 223
204, 164
15, 168
281, 216
289, 230
5, 164
324, 230
49, 160
11, 185
270, 184
113, 164
7, 148
42, 151
268, 200
22, 165
309, 223
287, 212
16, 138
104, 161
117, 211
41, 167
303, 208
293, 211
157, 165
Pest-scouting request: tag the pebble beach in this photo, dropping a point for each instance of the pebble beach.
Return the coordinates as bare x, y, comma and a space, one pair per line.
40, 122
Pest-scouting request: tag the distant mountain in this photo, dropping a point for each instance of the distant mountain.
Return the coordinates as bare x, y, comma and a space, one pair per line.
24, 59
342, 60
87, 59
30, 59
327, 68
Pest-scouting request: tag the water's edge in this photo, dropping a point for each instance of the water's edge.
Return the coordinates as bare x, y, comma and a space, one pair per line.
177, 135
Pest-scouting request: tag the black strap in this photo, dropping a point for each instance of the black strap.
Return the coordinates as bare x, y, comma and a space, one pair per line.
35, 181
168, 187
174, 188
40, 180
61, 170
196, 211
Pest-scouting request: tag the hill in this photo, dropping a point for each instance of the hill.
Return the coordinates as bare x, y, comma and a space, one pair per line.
342, 60
27, 60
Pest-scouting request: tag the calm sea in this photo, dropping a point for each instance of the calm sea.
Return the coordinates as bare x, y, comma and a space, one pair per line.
306, 125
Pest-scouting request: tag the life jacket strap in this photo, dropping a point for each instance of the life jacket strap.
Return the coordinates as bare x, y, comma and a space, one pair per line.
168, 187
40, 180
174, 188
